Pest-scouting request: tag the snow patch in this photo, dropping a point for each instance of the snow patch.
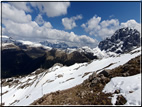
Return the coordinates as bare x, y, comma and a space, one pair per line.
130, 88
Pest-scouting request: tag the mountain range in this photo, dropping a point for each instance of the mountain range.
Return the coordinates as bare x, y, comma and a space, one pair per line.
56, 74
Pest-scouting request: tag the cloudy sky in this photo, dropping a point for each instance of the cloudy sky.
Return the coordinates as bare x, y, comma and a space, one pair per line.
75, 23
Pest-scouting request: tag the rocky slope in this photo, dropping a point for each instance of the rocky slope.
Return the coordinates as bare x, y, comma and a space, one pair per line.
90, 91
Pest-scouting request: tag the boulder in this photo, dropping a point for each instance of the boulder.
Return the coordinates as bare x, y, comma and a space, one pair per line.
91, 77
105, 72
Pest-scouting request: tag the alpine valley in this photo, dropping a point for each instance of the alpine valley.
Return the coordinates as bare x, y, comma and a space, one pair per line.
48, 73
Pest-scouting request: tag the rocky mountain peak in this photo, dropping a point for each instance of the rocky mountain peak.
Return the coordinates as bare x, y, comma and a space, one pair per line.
123, 40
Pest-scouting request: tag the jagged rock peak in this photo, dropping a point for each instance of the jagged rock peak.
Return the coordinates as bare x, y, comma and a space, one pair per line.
123, 40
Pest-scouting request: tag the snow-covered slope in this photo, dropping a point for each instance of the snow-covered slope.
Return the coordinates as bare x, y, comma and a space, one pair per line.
95, 51
24, 90
130, 88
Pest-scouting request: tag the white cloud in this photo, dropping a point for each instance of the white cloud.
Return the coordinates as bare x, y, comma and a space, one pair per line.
69, 23
47, 25
92, 24
52, 9
133, 24
102, 29
21, 5
32, 31
20, 26
106, 28
39, 20
9, 12
18, 29
109, 23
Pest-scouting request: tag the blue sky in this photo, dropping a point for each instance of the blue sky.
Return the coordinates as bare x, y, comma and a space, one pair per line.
76, 23
106, 10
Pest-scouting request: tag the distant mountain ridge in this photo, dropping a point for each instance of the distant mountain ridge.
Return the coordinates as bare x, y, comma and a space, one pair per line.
20, 58
123, 40
60, 45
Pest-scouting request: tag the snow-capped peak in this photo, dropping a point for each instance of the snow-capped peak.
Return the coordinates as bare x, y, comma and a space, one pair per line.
123, 40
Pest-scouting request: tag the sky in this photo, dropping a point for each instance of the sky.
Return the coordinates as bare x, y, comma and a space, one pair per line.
75, 23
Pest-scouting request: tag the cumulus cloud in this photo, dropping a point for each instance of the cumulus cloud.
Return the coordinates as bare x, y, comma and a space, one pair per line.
33, 30
92, 25
52, 9
22, 6
47, 25
102, 29
132, 23
69, 23
106, 28
39, 20
19, 29
18, 24
9, 12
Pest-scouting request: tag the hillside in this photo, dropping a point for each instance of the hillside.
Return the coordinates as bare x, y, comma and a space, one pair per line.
90, 92
58, 77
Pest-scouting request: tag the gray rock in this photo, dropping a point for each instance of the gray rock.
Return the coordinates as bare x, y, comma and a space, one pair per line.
105, 72
94, 81
91, 77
